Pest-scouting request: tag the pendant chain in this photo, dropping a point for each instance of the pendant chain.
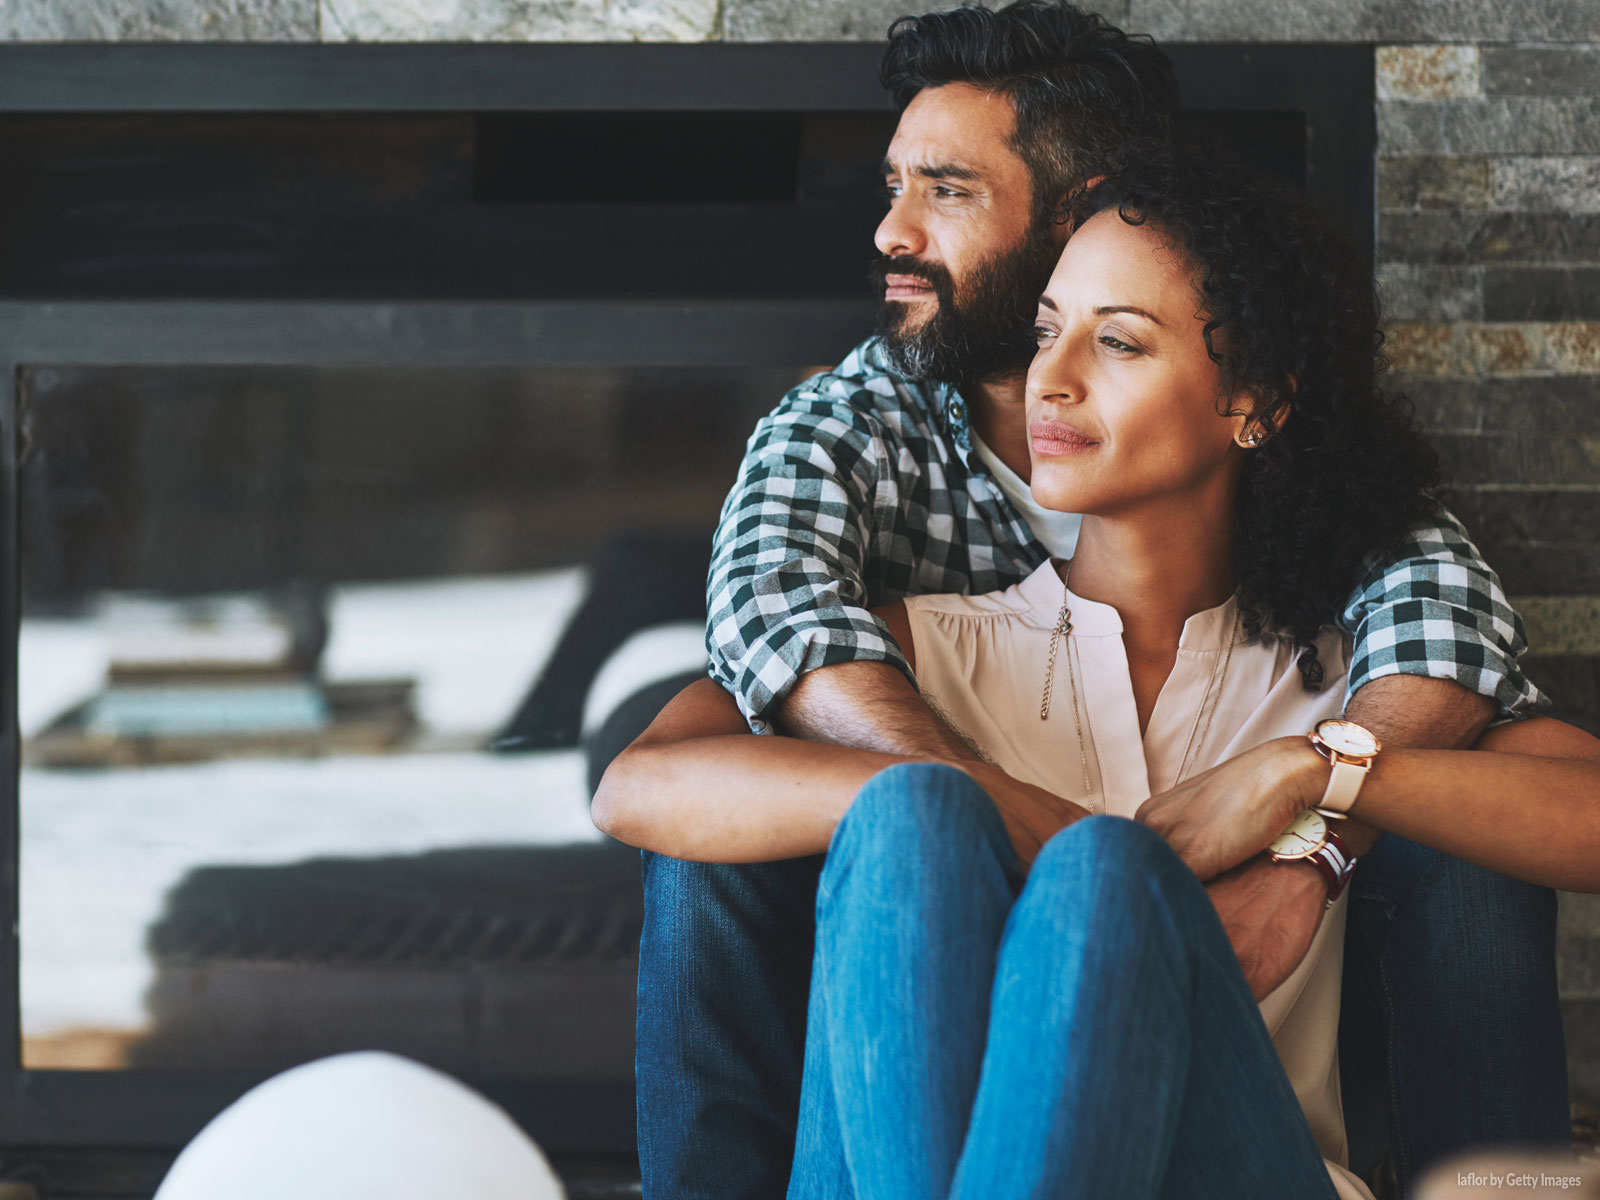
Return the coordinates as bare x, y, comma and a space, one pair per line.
1059, 636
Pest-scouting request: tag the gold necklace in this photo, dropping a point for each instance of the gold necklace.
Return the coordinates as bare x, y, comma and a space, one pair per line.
1208, 709
1057, 636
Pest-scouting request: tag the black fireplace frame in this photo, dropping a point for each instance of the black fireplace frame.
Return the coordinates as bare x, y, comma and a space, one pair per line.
1331, 85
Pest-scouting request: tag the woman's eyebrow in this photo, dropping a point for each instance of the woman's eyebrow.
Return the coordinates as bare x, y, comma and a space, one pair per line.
1104, 309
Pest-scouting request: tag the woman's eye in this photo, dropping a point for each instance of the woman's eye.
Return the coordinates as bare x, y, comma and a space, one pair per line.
1043, 333
1117, 344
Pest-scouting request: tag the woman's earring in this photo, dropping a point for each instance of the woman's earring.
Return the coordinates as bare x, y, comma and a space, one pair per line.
1249, 440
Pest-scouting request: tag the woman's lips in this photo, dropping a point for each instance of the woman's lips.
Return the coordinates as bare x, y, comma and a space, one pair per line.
906, 287
1057, 437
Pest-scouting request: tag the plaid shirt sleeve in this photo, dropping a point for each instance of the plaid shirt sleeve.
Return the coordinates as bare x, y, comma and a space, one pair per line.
1438, 610
786, 591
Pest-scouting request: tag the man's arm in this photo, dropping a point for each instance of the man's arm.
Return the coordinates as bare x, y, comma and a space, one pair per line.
816, 511
697, 785
1435, 657
871, 705
787, 592
1219, 822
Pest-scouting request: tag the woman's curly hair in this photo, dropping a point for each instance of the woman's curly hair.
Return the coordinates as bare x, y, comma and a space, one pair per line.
1291, 319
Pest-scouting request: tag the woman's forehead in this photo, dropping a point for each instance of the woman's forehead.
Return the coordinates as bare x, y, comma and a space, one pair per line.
1108, 262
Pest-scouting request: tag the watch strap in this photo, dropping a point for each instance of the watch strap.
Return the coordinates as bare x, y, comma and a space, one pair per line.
1344, 783
1334, 863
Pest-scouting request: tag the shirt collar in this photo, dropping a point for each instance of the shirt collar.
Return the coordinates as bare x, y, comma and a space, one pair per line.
943, 399
1211, 630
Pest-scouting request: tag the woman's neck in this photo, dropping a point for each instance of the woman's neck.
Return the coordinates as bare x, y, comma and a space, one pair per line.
1158, 567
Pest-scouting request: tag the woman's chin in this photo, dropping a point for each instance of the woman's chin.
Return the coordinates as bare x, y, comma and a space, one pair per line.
1061, 495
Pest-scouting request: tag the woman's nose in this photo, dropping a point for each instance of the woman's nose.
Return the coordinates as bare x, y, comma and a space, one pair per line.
1052, 374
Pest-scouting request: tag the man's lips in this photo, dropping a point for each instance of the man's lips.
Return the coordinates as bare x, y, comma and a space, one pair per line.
906, 287
1057, 437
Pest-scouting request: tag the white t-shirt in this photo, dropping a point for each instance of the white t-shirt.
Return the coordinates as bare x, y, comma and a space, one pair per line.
1058, 531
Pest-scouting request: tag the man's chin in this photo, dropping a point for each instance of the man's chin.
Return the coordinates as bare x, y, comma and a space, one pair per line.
906, 318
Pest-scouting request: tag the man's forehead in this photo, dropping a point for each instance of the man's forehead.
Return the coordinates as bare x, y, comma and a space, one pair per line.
954, 131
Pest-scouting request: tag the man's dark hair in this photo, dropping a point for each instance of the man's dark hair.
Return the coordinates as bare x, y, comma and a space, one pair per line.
1080, 87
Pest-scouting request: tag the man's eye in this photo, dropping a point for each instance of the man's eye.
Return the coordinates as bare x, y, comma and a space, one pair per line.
946, 192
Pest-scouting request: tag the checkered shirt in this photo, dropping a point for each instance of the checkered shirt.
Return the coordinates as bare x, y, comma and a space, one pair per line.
862, 488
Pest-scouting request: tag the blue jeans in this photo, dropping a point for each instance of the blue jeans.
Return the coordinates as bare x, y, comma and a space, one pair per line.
1439, 954
1088, 1033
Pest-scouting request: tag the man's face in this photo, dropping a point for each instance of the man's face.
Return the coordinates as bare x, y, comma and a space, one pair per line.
967, 248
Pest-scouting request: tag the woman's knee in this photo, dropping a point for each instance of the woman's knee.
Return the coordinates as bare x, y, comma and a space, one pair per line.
916, 813
1103, 855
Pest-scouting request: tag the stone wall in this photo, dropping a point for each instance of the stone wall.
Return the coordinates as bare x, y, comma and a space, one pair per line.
1488, 245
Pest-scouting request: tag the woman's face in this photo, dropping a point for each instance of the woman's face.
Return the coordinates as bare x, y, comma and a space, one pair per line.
1123, 401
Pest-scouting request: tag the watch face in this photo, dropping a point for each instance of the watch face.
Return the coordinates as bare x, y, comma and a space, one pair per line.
1306, 834
1346, 737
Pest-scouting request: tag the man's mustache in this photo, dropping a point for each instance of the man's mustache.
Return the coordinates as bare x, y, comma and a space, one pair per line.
936, 275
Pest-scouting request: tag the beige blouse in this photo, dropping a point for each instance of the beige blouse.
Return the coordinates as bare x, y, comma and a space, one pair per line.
981, 660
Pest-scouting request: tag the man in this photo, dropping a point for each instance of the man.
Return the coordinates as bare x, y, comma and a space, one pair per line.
904, 471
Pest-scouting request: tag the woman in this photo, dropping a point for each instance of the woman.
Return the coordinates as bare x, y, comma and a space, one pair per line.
1205, 394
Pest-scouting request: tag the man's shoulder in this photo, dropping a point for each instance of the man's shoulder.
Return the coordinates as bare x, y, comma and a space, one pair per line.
864, 391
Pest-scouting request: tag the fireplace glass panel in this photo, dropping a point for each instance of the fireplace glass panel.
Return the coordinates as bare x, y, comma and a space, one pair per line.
313, 665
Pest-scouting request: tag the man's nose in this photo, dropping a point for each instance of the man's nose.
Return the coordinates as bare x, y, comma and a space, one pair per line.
899, 232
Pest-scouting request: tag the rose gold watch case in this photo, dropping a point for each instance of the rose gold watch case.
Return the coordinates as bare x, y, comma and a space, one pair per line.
1345, 741
1306, 834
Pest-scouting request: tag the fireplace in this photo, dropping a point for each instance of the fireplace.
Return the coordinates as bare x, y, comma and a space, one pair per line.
345, 387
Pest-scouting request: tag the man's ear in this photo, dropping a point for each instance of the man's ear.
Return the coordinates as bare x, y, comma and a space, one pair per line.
1062, 204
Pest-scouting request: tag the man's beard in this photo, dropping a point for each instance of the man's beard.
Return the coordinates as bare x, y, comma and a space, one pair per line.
983, 335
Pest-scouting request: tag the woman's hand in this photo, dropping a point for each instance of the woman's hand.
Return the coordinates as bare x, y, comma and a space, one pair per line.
1219, 818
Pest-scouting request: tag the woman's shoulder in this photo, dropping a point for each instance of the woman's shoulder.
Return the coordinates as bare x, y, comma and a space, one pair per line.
982, 607
1034, 601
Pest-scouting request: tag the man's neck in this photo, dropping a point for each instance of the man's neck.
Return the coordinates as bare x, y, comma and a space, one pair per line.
999, 417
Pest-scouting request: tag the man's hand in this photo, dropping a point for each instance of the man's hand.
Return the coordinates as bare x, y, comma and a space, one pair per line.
1271, 912
1031, 814
1219, 818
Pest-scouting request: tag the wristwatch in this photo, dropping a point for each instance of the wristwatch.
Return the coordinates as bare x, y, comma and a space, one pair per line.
1351, 749
1310, 838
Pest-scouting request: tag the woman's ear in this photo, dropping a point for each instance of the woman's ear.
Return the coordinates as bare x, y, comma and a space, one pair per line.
1254, 427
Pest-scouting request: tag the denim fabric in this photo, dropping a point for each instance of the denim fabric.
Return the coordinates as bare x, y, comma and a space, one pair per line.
1088, 1033
1451, 1029
1439, 955
724, 966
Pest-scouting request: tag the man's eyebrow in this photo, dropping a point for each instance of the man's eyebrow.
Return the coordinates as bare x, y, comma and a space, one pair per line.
934, 171
1105, 309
